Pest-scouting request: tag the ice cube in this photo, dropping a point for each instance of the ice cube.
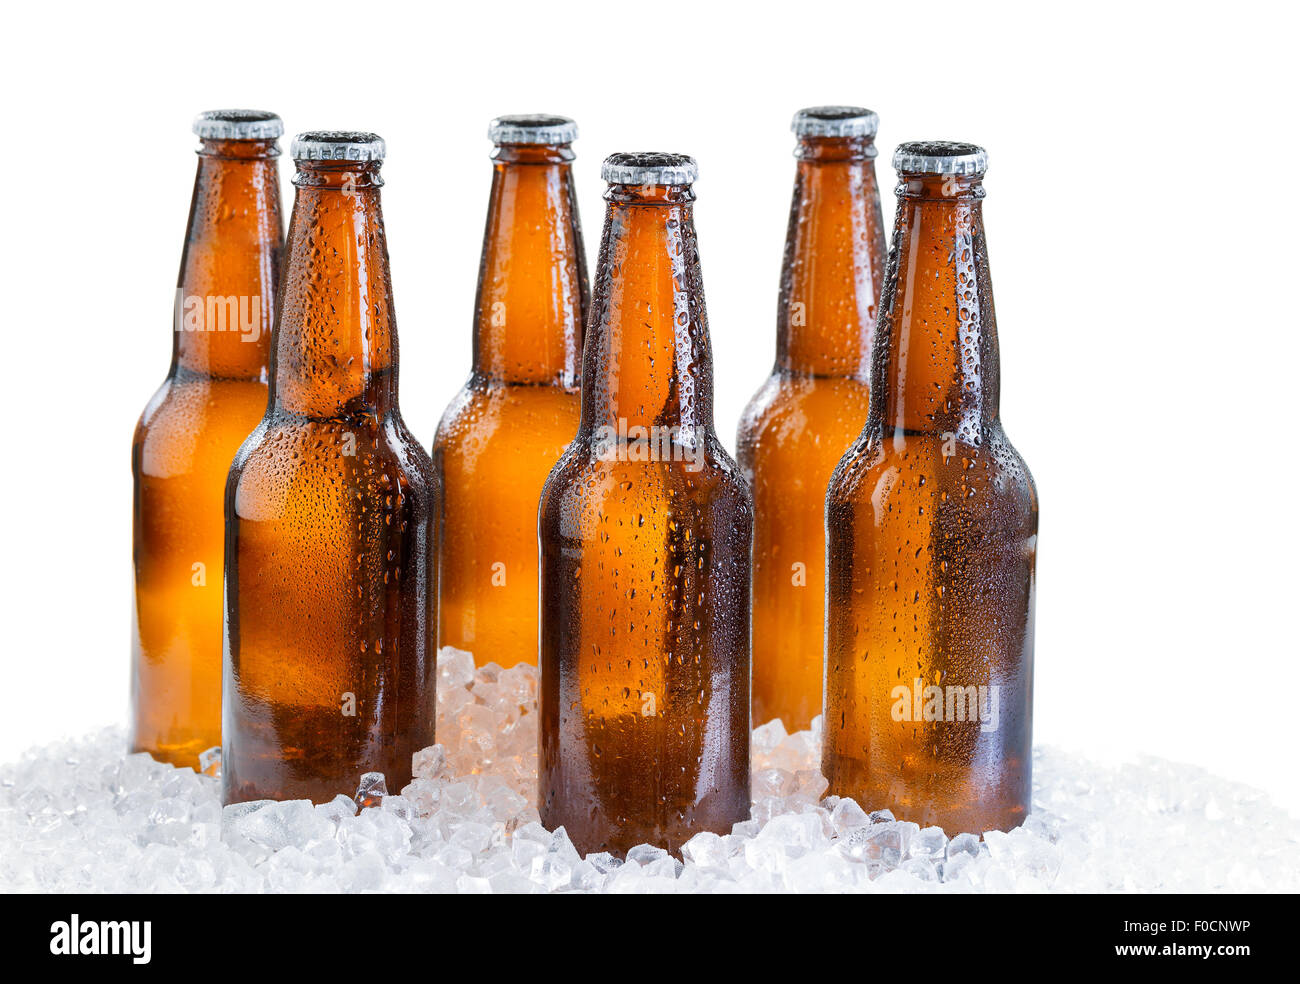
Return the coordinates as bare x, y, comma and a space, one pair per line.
210, 761
371, 790
847, 815
644, 854
921, 868
399, 806
964, 844
429, 763
929, 843
771, 783
337, 808
706, 849
455, 668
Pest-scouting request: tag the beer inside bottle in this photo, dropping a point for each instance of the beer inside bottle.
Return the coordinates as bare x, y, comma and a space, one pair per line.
331, 516
932, 525
504, 431
213, 396
798, 426
646, 529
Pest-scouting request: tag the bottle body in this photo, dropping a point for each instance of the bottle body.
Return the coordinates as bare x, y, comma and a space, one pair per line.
929, 670
646, 532
645, 650
932, 524
789, 574
494, 448
184, 442
505, 430
331, 571
331, 523
799, 424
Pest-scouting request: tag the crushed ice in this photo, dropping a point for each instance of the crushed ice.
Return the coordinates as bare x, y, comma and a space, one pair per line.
85, 816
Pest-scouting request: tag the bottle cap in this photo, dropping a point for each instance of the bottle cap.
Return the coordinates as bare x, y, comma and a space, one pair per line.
835, 121
649, 169
941, 157
238, 124
532, 128
337, 145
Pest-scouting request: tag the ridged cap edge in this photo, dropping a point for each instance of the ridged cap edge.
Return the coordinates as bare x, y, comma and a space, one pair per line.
237, 124
941, 157
532, 128
649, 168
835, 121
337, 145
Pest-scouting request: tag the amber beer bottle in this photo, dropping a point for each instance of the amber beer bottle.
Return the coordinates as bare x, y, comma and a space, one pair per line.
331, 516
212, 397
932, 523
504, 431
800, 423
646, 527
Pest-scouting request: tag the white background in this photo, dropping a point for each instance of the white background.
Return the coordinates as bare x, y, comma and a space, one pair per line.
1141, 223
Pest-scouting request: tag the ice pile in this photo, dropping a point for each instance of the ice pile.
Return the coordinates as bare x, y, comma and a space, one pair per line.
85, 816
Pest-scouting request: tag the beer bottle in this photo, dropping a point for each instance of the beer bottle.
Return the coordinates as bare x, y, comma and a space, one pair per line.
800, 423
932, 523
506, 428
331, 516
213, 395
646, 527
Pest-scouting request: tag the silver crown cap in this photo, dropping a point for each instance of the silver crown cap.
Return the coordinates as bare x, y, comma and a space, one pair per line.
337, 145
941, 157
532, 128
238, 124
835, 121
650, 168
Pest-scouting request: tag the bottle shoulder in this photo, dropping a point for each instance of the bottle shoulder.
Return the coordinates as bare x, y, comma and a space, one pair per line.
154, 405
595, 475
784, 395
467, 402
184, 402
801, 415
190, 424
946, 465
763, 397
505, 417
303, 447
415, 462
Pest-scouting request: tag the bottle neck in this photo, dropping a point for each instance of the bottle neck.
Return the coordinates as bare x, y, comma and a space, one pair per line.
225, 295
936, 355
834, 261
532, 288
336, 339
646, 361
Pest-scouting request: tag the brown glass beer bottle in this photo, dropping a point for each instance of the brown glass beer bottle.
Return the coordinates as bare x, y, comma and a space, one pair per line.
797, 427
932, 523
213, 396
646, 527
331, 516
501, 435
